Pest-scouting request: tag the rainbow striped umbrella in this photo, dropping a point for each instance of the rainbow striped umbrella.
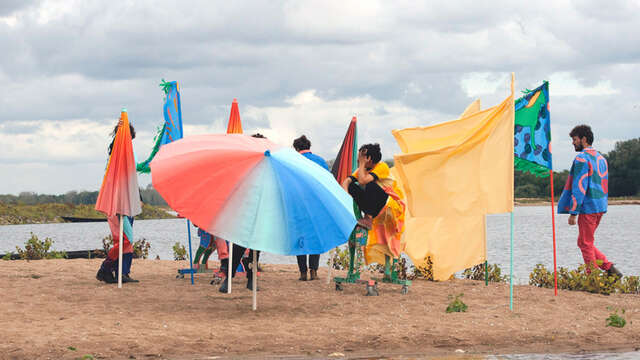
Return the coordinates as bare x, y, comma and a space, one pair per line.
255, 193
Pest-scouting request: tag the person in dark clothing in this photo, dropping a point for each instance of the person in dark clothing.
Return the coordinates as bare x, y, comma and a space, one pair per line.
363, 184
109, 267
303, 146
238, 252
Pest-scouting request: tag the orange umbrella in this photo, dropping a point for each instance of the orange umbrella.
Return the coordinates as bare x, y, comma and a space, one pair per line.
234, 126
119, 194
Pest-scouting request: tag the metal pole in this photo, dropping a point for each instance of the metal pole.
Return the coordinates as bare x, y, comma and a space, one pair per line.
230, 269
120, 245
190, 254
511, 275
553, 224
254, 280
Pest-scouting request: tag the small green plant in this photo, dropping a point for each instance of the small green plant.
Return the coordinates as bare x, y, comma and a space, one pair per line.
71, 348
616, 320
7, 256
179, 252
141, 248
36, 249
456, 305
424, 271
340, 257
478, 273
585, 278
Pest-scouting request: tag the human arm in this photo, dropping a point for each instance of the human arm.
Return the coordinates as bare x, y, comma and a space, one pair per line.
362, 174
580, 180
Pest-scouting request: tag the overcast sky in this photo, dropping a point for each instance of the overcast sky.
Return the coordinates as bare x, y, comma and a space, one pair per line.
297, 67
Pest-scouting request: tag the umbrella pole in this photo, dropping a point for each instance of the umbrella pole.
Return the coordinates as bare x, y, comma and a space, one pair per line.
254, 280
120, 244
190, 253
230, 269
330, 265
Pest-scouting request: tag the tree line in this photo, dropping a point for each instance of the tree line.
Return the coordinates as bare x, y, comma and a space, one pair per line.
148, 195
624, 180
624, 175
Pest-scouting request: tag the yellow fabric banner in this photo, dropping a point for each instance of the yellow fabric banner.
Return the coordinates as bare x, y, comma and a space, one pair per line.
453, 174
459, 168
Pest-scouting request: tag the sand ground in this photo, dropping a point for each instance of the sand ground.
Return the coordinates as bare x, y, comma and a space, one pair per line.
56, 309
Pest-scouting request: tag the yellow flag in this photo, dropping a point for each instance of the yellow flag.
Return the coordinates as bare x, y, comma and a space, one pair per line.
459, 168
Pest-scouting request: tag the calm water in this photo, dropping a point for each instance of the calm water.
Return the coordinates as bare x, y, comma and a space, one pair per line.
617, 237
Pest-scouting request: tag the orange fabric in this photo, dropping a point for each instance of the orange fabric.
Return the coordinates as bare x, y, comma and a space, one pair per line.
114, 226
385, 236
119, 193
235, 125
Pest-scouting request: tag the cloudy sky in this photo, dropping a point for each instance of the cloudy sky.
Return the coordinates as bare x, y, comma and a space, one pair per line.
297, 67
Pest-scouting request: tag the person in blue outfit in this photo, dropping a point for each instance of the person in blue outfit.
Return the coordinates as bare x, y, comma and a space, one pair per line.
303, 146
585, 195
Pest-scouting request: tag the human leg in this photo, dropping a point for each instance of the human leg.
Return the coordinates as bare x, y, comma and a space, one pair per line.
302, 266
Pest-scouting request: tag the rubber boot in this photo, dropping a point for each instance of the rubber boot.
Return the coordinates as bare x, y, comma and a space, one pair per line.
613, 271
224, 266
371, 289
303, 276
224, 288
314, 274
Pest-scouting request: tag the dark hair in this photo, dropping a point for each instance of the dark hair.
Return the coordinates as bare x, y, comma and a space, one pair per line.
259, 136
115, 131
372, 150
301, 143
583, 131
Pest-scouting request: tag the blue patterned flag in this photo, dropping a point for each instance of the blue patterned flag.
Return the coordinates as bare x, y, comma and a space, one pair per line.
171, 130
532, 142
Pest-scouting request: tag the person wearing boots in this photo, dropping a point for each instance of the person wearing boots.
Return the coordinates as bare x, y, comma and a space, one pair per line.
303, 146
238, 252
585, 196
109, 267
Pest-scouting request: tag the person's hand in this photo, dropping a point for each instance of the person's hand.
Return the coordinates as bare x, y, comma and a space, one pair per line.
572, 219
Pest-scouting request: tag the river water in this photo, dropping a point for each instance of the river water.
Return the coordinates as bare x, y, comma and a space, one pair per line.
617, 237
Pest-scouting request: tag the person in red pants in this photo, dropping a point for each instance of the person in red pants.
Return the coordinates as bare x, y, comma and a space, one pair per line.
585, 195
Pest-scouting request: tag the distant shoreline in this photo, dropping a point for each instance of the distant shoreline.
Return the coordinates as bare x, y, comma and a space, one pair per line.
547, 202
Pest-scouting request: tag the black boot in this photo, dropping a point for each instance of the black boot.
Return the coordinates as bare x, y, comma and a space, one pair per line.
224, 266
224, 288
613, 271
248, 267
314, 274
127, 279
303, 276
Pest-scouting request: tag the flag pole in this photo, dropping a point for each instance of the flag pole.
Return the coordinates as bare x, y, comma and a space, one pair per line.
230, 268
254, 280
553, 224
330, 265
190, 253
486, 257
511, 265
120, 244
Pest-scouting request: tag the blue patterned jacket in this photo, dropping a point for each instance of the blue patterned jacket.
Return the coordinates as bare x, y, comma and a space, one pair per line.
587, 187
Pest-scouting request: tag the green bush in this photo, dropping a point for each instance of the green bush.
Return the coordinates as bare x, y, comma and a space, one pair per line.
7, 256
616, 320
478, 273
140, 247
179, 252
36, 249
456, 305
585, 278
424, 272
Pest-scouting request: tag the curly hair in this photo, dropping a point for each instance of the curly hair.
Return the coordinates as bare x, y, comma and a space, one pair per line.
301, 143
372, 150
583, 131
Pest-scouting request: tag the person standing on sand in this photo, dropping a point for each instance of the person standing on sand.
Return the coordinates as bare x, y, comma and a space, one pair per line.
585, 196
108, 268
303, 146
238, 252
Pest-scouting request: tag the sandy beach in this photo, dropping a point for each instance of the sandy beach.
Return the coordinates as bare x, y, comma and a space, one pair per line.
56, 309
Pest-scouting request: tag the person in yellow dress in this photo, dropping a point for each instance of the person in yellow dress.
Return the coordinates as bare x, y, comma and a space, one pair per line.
380, 199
